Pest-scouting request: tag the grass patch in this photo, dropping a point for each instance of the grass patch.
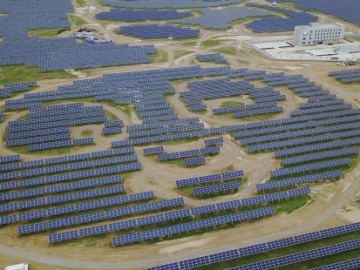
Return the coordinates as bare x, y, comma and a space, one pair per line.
24, 117
288, 206
111, 116
210, 43
125, 108
244, 62
289, 5
189, 43
231, 104
20, 73
228, 50
87, 133
44, 33
179, 54
160, 57
81, 3
75, 20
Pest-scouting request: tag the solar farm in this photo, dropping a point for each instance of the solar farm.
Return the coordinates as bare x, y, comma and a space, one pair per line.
178, 135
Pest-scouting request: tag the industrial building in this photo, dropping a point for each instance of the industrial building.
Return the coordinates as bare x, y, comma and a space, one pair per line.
316, 33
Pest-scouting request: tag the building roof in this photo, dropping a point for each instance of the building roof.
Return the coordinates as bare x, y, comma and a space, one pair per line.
20, 266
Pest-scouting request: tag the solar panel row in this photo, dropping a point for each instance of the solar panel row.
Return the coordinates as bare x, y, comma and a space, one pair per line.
195, 225
189, 153
37, 227
209, 178
261, 248
303, 256
118, 213
200, 191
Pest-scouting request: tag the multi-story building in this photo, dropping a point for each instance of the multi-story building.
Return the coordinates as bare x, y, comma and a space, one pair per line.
316, 33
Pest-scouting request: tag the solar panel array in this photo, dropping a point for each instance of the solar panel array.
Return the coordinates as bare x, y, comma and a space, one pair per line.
209, 178
272, 245
51, 212
321, 155
213, 141
191, 226
70, 209
12, 88
211, 57
222, 18
51, 190
343, 265
141, 208
56, 53
111, 130
266, 25
166, 130
189, 162
140, 15
51, 124
311, 167
189, 153
158, 31
219, 188
346, 75
345, 10
303, 256
153, 150
217, 88
309, 178
70, 163
8, 159
169, 216
114, 123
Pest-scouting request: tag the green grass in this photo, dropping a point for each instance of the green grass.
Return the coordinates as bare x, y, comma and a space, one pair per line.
230, 104
179, 54
75, 20
210, 43
160, 57
44, 33
111, 116
87, 133
288, 206
228, 50
81, 3
24, 117
20, 73
125, 108
189, 43
289, 5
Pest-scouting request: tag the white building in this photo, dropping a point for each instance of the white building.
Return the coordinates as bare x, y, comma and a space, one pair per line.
21, 266
316, 33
